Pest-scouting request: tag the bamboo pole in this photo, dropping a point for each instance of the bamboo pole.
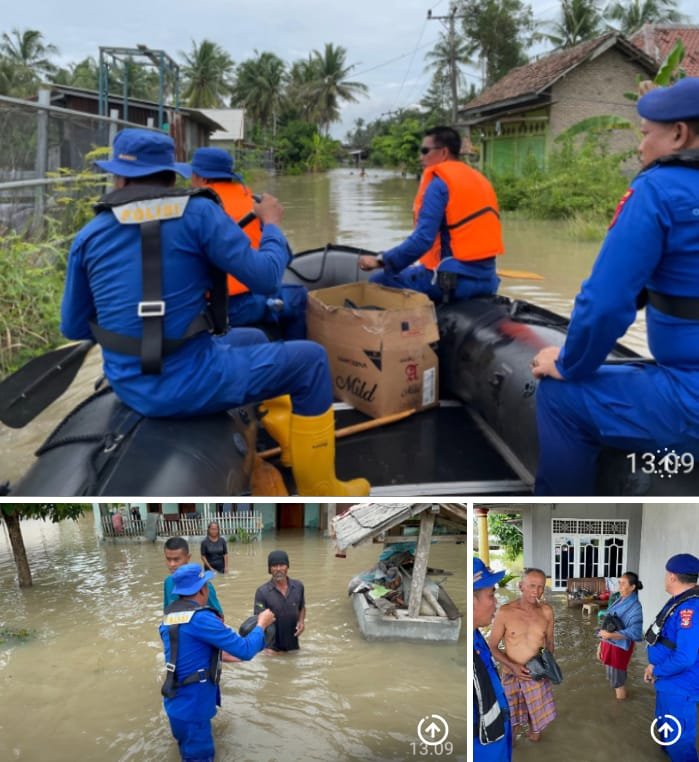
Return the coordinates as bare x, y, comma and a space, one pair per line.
356, 428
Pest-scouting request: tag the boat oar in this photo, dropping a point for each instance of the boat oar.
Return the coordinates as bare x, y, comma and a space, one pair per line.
524, 274
355, 428
266, 480
32, 388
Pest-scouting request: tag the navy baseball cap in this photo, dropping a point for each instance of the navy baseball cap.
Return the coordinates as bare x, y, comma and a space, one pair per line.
137, 153
213, 164
683, 563
677, 103
484, 576
189, 579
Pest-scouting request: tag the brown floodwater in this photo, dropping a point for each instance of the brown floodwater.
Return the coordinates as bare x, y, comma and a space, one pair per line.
86, 685
373, 212
592, 726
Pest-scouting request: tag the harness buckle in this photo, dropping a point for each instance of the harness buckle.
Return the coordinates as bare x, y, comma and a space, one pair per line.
169, 667
151, 309
203, 675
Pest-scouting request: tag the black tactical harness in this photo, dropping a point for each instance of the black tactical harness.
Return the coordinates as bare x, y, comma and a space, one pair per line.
152, 346
653, 636
210, 674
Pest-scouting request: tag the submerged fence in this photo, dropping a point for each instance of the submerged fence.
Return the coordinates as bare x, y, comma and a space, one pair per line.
244, 526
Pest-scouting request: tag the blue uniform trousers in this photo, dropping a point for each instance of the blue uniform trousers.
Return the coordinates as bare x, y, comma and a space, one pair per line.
632, 407
419, 278
251, 309
684, 708
195, 739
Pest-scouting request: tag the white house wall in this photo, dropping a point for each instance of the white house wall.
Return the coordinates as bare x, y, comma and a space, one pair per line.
536, 528
668, 529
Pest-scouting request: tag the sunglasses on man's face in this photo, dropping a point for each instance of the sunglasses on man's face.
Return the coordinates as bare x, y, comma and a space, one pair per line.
424, 150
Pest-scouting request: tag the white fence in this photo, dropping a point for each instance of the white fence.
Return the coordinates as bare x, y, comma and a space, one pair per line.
246, 526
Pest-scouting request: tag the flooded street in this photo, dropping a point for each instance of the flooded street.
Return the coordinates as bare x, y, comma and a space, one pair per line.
372, 212
86, 685
592, 726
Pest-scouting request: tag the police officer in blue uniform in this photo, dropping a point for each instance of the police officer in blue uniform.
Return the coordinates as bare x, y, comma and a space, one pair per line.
651, 249
673, 653
193, 637
492, 730
138, 280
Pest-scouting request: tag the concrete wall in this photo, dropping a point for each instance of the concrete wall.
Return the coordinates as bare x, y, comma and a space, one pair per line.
668, 528
597, 88
536, 527
311, 516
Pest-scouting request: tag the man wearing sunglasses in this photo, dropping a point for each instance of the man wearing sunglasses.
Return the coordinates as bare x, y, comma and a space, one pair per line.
457, 231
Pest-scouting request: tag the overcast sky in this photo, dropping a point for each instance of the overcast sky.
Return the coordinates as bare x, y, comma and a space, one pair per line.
386, 40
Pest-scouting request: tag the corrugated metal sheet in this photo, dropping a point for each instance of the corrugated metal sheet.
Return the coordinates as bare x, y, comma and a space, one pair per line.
364, 522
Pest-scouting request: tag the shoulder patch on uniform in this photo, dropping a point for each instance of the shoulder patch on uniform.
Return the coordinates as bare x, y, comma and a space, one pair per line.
686, 616
136, 212
620, 206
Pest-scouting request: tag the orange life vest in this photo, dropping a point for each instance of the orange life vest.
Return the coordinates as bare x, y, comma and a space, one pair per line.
472, 214
237, 201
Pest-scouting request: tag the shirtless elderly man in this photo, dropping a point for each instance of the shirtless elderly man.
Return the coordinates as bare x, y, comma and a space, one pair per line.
524, 627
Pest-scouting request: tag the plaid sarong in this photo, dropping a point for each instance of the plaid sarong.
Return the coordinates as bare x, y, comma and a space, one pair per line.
531, 702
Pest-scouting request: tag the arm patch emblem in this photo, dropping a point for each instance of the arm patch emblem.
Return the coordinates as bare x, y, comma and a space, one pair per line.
686, 616
620, 206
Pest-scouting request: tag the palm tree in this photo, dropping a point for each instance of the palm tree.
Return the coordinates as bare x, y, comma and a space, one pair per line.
300, 98
445, 61
83, 74
330, 85
25, 61
207, 75
633, 14
580, 20
259, 88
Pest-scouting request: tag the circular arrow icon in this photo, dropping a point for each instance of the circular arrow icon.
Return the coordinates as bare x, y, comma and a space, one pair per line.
666, 730
433, 730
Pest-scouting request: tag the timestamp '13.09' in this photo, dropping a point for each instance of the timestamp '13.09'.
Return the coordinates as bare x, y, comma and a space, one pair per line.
664, 462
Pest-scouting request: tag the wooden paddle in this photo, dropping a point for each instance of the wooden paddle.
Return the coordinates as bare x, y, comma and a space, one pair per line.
31, 389
356, 428
525, 274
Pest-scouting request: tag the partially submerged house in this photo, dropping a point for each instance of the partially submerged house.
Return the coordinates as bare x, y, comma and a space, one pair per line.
418, 524
517, 118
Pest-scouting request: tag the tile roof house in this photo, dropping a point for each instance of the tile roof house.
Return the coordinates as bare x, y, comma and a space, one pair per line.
521, 114
657, 40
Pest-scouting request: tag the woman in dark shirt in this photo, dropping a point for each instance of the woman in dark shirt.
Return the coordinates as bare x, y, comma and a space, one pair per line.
214, 551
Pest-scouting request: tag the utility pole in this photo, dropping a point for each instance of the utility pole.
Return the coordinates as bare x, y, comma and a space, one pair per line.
453, 70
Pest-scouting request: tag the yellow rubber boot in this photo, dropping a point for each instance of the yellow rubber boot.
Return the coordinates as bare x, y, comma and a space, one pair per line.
313, 458
276, 420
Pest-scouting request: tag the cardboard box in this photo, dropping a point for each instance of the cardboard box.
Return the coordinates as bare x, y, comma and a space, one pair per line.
381, 360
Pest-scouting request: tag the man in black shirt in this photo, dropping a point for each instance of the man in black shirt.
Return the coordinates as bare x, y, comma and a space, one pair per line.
285, 597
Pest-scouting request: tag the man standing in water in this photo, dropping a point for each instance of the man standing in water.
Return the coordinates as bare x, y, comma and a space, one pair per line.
525, 626
492, 732
673, 653
286, 598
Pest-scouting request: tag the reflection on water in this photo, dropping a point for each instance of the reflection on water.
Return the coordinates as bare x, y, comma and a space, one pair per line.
88, 685
592, 726
372, 212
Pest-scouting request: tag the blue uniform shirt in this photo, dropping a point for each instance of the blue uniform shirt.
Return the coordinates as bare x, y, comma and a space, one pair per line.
653, 241
197, 638
501, 750
104, 283
677, 670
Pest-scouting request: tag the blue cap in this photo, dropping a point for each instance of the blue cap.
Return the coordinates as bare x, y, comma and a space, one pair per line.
213, 164
677, 103
683, 563
137, 153
484, 576
189, 579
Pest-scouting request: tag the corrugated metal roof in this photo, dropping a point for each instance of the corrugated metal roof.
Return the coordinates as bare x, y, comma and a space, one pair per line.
232, 120
364, 522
